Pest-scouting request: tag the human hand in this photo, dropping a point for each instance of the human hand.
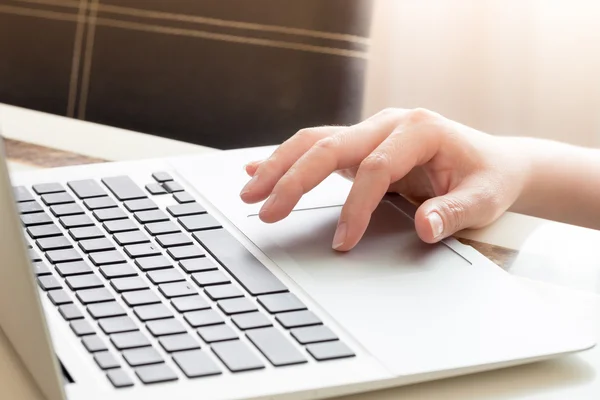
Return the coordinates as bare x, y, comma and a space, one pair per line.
462, 178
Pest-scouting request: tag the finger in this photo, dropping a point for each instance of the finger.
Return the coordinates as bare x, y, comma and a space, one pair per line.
251, 167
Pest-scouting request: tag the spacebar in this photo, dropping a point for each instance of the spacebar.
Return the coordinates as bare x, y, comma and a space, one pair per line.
240, 263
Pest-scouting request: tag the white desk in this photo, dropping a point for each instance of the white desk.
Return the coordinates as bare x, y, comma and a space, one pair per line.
549, 254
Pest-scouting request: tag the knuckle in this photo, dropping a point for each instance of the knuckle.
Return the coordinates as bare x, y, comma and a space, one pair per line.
376, 162
455, 211
388, 112
330, 143
306, 134
419, 116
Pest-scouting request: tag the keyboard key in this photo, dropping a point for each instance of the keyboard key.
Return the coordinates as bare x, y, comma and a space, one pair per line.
142, 356
53, 243
129, 340
57, 198
43, 231
120, 225
140, 297
117, 325
128, 284
276, 347
75, 221
109, 214
63, 210
35, 219
198, 265
59, 297
183, 197
93, 343
163, 327
173, 187
237, 356
210, 278
48, 282
194, 223
190, 303
239, 262
29, 207
105, 310
162, 228
142, 250
151, 312
178, 343
60, 256
70, 312
153, 263
34, 256
221, 292
81, 327
86, 188
117, 271
174, 239
119, 378
73, 268
123, 188
106, 360
329, 351
203, 318
22, 194
92, 245
165, 276
178, 289
283, 302
99, 203
45, 188
181, 210
162, 177
140, 205
251, 321
195, 364
237, 306
155, 189
40, 268
79, 282
185, 252
146, 217
217, 333
298, 319
155, 374
97, 295
90, 232
107, 257
134, 237
313, 334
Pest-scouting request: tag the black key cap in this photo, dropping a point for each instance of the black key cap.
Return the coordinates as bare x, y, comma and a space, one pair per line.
80, 282
329, 351
86, 188
90, 232
190, 303
251, 320
151, 312
63, 210
197, 265
178, 343
29, 207
34, 255
117, 271
237, 306
203, 318
45, 188
155, 189
276, 347
185, 252
129, 340
181, 210
43, 231
210, 278
140, 205
120, 225
107, 257
174, 239
105, 310
73, 268
57, 198
76, 221
81, 327
162, 228
165, 276
195, 364
92, 245
97, 295
59, 297
119, 378
217, 333
60, 256
200, 222
146, 217
53, 243
240, 263
162, 177
93, 344
313, 334
236, 356
183, 197
48, 282
128, 284
152, 263
117, 325
70, 312
156, 374
283, 302
178, 289
133, 237
109, 214
22, 194
142, 250
124, 188
140, 297
35, 219
142, 356
221, 292
173, 187
40, 268
99, 203
298, 319
162, 327
106, 360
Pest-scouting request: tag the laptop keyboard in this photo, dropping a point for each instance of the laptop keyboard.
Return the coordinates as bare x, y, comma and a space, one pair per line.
122, 270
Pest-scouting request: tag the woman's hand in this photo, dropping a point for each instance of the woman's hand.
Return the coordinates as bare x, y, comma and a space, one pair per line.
461, 177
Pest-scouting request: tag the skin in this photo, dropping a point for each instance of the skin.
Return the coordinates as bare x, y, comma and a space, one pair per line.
460, 177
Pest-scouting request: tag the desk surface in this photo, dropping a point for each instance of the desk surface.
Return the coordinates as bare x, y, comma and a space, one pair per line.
517, 243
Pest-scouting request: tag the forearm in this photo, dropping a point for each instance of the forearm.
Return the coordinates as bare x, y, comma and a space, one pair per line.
563, 182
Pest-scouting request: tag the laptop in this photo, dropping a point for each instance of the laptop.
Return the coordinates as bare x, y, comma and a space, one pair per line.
153, 280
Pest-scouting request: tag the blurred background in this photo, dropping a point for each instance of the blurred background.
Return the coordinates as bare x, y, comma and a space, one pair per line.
235, 73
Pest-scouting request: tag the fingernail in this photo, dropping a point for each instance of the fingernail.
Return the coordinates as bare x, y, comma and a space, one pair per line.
269, 204
249, 185
436, 223
340, 236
